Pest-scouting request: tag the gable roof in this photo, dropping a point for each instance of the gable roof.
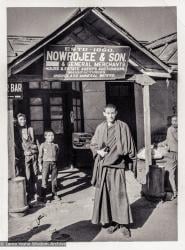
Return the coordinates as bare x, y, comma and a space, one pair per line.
104, 30
17, 45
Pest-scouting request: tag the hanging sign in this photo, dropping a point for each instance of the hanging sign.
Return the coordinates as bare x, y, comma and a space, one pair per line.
85, 62
15, 90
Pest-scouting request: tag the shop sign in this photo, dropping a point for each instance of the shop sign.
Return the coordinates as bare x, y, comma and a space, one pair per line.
81, 140
85, 62
15, 90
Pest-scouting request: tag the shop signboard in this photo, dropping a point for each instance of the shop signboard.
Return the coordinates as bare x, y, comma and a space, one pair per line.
15, 90
81, 140
85, 62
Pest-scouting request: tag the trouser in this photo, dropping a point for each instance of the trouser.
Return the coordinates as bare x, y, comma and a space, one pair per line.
49, 167
31, 172
171, 166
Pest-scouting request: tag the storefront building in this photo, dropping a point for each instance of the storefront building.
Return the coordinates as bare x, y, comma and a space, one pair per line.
76, 105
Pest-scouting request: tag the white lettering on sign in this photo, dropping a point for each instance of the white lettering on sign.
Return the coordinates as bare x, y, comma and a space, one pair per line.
70, 56
79, 62
16, 87
116, 57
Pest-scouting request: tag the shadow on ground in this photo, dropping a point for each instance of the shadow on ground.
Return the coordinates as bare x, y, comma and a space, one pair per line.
80, 231
79, 184
26, 236
141, 211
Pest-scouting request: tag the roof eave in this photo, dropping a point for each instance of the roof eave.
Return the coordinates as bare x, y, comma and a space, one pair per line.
131, 39
45, 40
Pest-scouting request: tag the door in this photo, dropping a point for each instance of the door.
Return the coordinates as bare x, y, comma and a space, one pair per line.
121, 94
48, 110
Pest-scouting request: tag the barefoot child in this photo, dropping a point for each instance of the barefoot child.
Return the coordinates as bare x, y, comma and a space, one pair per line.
48, 155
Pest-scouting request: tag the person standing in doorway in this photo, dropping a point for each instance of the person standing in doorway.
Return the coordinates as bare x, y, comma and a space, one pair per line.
171, 143
111, 145
30, 150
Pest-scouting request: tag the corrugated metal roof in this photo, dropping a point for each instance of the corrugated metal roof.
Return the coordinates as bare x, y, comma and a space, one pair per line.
166, 49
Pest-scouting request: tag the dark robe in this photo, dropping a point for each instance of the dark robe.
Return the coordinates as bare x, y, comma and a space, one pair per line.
111, 201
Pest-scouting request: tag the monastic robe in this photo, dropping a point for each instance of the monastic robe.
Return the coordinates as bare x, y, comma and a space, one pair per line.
111, 201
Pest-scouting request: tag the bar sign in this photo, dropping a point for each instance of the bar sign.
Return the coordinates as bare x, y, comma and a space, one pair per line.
15, 90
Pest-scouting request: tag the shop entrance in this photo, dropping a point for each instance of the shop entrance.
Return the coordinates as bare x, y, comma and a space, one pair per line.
48, 109
121, 94
48, 105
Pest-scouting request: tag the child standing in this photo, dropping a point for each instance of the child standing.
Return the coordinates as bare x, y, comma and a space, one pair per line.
27, 152
48, 155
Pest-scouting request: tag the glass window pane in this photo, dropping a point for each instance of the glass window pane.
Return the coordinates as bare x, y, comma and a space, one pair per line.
56, 85
79, 126
74, 85
78, 102
78, 112
74, 111
34, 85
38, 127
56, 112
78, 86
57, 126
74, 101
55, 100
35, 101
75, 127
36, 112
45, 85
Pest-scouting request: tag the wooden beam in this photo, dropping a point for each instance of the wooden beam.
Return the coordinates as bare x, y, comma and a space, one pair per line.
21, 67
11, 149
94, 32
142, 79
25, 78
146, 81
76, 38
147, 127
157, 74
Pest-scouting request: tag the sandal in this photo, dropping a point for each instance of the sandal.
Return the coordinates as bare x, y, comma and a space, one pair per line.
174, 196
125, 231
112, 229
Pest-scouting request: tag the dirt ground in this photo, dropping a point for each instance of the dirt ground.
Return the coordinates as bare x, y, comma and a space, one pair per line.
70, 218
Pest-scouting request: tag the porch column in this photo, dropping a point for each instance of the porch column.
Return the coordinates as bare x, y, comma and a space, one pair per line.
147, 127
145, 81
11, 150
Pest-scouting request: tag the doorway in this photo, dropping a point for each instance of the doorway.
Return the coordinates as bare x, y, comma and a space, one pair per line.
48, 109
121, 94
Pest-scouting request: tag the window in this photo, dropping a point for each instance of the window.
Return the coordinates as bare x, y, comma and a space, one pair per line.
76, 86
33, 85
56, 114
45, 85
77, 115
56, 85
36, 115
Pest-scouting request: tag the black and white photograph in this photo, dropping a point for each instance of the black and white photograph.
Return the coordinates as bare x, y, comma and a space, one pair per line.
92, 124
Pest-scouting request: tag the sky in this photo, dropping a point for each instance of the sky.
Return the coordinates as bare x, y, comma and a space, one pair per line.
144, 23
